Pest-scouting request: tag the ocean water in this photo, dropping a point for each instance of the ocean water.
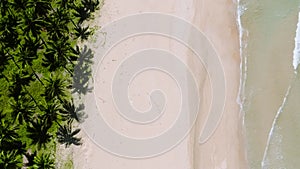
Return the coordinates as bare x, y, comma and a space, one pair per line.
270, 82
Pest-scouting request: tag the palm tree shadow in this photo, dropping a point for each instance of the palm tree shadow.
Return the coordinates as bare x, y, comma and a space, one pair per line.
83, 72
71, 112
81, 114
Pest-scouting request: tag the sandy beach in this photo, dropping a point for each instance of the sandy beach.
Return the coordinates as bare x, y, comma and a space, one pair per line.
225, 148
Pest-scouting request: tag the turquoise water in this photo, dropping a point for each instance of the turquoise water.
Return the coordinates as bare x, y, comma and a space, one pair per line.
270, 90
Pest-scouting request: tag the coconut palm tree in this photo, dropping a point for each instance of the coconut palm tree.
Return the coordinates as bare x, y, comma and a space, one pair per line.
38, 133
70, 112
28, 50
4, 6
22, 109
66, 136
15, 91
20, 5
43, 161
50, 111
51, 62
3, 61
20, 80
58, 23
8, 132
66, 3
91, 5
10, 160
9, 34
31, 25
56, 88
59, 53
76, 51
11, 145
28, 53
9, 139
82, 13
33, 32
41, 7
82, 32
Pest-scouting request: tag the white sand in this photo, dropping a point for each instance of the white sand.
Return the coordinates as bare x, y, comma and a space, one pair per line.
225, 149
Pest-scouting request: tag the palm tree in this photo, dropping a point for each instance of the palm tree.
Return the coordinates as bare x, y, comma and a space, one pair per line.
9, 34
38, 133
82, 32
58, 54
82, 13
28, 50
58, 23
10, 160
66, 3
51, 62
29, 53
19, 80
22, 109
50, 112
3, 62
4, 6
41, 7
22, 77
8, 131
76, 51
43, 161
20, 5
56, 88
13, 145
66, 136
15, 91
8, 138
31, 24
91, 5
70, 112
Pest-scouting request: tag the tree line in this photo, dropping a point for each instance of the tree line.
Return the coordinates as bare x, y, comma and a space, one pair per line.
38, 55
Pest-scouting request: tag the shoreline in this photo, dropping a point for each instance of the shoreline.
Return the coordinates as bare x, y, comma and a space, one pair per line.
227, 141
270, 74
227, 46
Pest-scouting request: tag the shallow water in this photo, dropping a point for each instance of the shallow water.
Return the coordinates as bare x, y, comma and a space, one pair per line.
270, 91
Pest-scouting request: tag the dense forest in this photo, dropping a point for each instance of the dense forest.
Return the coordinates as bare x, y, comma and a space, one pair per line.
39, 52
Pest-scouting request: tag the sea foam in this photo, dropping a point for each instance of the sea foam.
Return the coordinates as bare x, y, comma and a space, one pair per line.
296, 53
266, 161
243, 65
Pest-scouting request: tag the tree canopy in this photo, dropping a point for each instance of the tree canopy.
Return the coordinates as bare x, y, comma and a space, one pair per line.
38, 55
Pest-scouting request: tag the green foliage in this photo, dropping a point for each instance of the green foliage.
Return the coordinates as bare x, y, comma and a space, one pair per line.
38, 55
10, 160
43, 161
82, 32
38, 133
